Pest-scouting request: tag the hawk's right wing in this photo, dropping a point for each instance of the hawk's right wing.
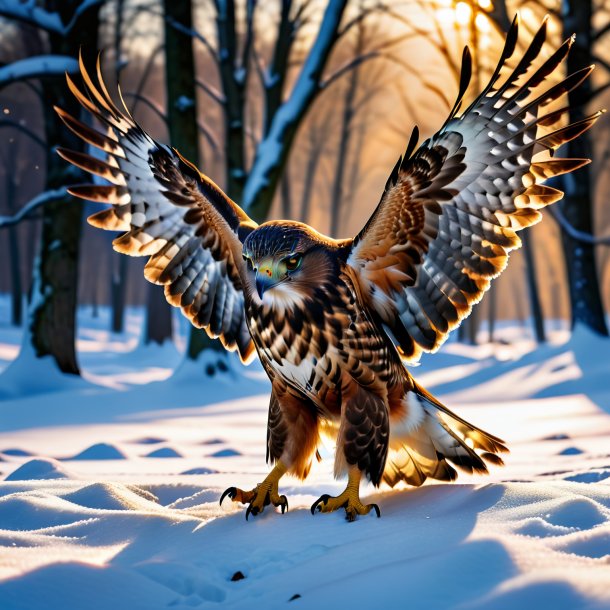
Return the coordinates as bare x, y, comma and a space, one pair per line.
452, 208
168, 211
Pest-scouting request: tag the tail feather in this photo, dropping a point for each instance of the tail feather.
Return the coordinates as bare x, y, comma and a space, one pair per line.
440, 437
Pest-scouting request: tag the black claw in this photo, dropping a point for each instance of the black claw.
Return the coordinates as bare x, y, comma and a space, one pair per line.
231, 492
376, 509
316, 505
249, 510
284, 503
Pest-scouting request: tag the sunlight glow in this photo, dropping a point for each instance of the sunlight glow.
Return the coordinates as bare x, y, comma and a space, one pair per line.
482, 23
446, 16
486, 5
463, 12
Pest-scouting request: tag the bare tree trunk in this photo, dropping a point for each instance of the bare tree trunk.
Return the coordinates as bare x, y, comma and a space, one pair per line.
577, 206
310, 175
118, 290
532, 288
13, 246
53, 310
118, 262
158, 317
182, 114
286, 193
344, 142
233, 76
492, 312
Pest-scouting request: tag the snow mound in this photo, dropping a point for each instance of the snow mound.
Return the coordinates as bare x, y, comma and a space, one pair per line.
200, 497
108, 496
163, 452
591, 476
16, 452
225, 453
100, 451
149, 440
41, 468
200, 470
571, 451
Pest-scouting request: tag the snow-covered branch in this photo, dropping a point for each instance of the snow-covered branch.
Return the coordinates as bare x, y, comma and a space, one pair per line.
212, 92
272, 150
573, 232
31, 13
32, 205
148, 103
36, 67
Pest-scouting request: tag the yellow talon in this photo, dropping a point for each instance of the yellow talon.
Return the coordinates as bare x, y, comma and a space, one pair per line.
349, 500
262, 495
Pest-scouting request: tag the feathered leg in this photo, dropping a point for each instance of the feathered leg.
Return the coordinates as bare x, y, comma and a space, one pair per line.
362, 446
292, 439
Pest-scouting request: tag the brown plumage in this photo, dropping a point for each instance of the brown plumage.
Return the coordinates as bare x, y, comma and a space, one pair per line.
333, 321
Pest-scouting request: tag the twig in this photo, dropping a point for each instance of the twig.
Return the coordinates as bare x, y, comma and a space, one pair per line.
573, 232
31, 206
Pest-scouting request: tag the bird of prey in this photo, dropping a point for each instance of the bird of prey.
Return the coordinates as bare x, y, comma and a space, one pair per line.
334, 321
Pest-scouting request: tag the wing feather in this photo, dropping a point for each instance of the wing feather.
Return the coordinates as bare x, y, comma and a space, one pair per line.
190, 230
451, 209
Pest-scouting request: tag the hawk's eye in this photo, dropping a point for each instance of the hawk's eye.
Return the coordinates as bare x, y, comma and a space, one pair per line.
293, 262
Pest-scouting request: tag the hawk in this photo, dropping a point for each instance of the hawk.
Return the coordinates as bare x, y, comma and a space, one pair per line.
334, 321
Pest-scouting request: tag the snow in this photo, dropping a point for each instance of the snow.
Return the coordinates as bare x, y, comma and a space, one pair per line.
35, 67
28, 12
110, 487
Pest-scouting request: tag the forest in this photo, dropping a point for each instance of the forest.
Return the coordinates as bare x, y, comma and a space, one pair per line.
121, 423
255, 91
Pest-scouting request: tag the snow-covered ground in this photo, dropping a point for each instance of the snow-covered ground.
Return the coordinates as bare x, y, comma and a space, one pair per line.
110, 489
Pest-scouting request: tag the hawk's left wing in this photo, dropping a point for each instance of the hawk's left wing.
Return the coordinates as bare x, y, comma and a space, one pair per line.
451, 210
168, 211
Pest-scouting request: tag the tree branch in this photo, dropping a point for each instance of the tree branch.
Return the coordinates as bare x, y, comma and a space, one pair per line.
573, 232
23, 129
31, 206
602, 62
602, 31
212, 92
148, 104
37, 67
272, 153
29, 12
209, 136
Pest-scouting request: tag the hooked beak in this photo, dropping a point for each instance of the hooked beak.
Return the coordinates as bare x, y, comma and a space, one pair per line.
264, 281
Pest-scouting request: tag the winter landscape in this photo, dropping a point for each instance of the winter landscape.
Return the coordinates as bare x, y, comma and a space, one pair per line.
111, 484
121, 424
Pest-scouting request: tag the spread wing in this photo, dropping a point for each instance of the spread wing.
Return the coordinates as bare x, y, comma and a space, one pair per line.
451, 209
168, 211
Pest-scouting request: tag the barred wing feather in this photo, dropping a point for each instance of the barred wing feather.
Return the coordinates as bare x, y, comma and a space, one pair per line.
451, 209
168, 211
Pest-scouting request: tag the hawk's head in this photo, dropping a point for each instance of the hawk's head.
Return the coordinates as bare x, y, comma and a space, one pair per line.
289, 259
